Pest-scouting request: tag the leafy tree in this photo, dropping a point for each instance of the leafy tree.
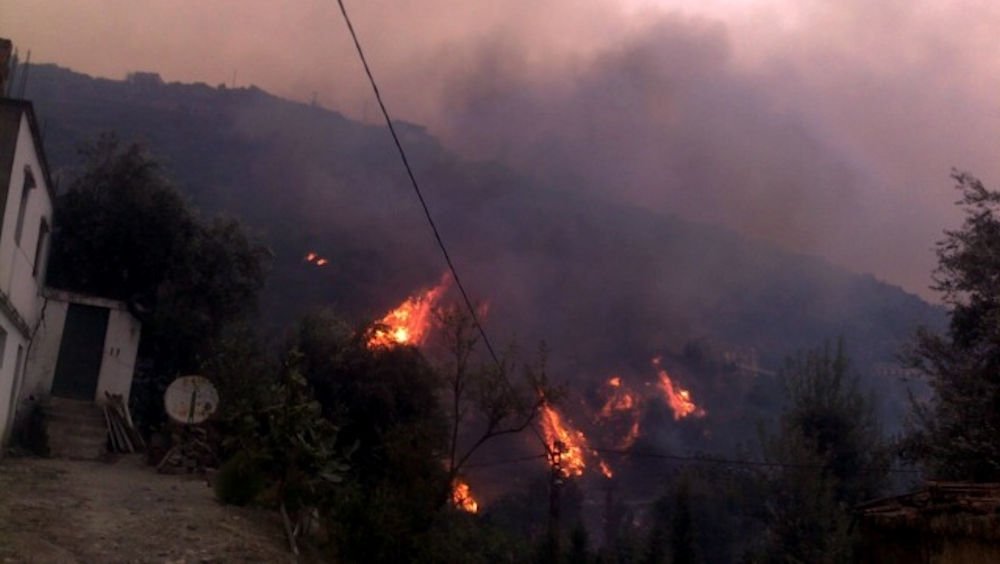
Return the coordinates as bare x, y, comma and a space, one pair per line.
386, 402
123, 231
289, 438
830, 456
956, 433
484, 402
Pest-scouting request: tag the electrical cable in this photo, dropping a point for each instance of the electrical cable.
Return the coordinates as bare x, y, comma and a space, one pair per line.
416, 186
697, 459
426, 209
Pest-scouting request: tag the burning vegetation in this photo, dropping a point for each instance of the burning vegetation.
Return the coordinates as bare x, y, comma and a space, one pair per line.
314, 259
566, 444
679, 399
411, 321
461, 496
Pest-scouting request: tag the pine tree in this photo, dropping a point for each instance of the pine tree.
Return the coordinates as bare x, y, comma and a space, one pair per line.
956, 434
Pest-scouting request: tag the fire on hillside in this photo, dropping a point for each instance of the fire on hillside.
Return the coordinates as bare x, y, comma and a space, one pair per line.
617, 422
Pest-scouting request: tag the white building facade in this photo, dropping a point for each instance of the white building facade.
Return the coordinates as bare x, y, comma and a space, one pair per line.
51, 342
26, 212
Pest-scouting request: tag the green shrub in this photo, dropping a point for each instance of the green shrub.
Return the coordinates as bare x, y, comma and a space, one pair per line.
239, 481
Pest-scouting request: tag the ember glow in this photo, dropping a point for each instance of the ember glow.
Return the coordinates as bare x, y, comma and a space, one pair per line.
606, 470
461, 496
571, 443
314, 259
621, 411
409, 323
676, 397
621, 399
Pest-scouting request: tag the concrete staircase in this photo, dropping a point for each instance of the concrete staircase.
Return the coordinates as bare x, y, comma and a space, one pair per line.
76, 429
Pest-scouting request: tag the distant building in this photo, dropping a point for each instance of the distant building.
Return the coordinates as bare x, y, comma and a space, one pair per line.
52, 343
941, 523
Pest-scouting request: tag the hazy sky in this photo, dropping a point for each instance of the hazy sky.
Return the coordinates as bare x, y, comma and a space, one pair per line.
828, 127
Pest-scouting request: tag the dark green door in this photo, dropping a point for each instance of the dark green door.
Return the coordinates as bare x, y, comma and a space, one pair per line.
80, 352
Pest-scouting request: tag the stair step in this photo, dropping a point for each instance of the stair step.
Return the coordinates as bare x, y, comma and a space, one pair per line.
63, 405
76, 429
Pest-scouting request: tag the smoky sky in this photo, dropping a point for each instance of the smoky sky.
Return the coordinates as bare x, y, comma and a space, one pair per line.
828, 128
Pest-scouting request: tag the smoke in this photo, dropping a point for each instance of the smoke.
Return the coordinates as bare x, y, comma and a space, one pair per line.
828, 128
835, 143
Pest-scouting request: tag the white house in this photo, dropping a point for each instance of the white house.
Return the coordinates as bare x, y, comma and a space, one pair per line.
84, 347
26, 216
52, 343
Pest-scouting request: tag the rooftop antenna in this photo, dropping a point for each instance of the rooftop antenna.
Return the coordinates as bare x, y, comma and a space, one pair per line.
232, 83
24, 77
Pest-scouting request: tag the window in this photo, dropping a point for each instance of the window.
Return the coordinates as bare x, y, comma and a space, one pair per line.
43, 235
29, 183
3, 345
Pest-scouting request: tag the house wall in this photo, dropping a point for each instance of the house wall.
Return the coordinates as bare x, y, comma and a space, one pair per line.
45, 351
19, 286
121, 346
12, 374
17, 260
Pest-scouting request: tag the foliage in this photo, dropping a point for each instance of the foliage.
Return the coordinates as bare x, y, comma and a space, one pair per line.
829, 456
483, 400
386, 401
123, 231
239, 481
956, 434
461, 538
291, 443
705, 514
242, 371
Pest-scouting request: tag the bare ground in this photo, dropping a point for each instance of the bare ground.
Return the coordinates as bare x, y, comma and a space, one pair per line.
123, 511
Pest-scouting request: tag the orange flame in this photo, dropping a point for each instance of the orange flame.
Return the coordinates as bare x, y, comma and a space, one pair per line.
314, 259
621, 409
461, 496
621, 399
606, 470
408, 324
633, 434
567, 444
677, 398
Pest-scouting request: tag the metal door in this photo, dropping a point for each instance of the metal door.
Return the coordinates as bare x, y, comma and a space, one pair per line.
80, 352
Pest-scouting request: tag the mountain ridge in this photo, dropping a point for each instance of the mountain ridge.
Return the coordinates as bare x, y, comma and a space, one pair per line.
564, 264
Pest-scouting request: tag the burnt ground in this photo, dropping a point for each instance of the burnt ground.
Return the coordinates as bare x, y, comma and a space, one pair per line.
123, 511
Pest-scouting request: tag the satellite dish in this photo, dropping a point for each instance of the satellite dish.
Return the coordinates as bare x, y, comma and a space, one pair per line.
191, 399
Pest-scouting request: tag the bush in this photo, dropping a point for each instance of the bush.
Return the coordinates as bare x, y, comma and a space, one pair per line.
240, 481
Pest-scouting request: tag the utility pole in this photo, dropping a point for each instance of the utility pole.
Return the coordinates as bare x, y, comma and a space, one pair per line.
610, 520
555, 485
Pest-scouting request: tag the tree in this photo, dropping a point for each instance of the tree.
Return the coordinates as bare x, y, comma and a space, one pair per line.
123, 231
385, 401
483, 400
287, 438
829, 456
956, 433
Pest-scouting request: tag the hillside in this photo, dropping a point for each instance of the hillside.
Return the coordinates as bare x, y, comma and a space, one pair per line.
607, 286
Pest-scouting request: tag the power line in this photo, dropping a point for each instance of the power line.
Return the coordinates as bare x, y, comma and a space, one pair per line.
737, 461
427, 211
504, 462
416, 186
692, 459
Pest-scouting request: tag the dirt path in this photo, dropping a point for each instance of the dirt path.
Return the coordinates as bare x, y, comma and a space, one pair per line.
77, 511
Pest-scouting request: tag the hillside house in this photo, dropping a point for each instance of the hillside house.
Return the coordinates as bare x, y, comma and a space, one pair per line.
940, 523
52, 343
25, 220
